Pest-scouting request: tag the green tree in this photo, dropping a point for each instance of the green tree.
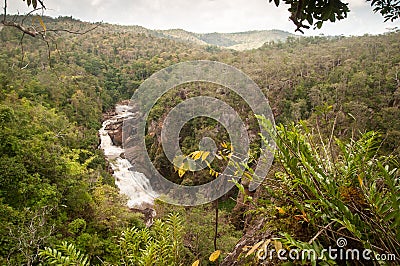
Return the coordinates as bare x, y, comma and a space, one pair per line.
306, 13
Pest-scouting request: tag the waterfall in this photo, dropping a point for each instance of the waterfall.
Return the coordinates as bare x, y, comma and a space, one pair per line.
133, 184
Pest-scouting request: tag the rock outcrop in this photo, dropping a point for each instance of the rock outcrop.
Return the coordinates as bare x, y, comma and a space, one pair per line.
115, 131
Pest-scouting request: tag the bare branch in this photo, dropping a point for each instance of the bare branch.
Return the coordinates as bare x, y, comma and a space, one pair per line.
5, 10
320, 232
21, 28
32, 32
42, 4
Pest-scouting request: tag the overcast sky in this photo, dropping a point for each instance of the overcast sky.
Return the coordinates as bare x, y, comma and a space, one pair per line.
207, 15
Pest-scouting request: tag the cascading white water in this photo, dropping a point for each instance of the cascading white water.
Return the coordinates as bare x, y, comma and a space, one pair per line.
133, 184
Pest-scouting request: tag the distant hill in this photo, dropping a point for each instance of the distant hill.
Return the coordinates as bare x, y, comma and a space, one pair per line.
237, 41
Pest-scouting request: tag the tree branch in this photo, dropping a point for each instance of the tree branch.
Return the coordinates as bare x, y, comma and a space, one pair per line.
28, 31
19, 23
31, 31
5, 10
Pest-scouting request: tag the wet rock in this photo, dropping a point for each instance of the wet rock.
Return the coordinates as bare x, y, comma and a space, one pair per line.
116, 137
114, 129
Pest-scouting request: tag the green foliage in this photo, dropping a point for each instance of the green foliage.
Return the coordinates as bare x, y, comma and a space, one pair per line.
109, 210
45, 169
77, 226
199, 231
390, 10
314, 12
162, 244
23, 233
196, 159
344, 190
66, 254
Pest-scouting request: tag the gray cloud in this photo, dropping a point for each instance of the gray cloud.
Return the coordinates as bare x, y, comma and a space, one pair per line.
207, 15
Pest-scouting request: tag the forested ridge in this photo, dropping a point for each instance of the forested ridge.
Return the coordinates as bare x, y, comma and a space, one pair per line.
335, 100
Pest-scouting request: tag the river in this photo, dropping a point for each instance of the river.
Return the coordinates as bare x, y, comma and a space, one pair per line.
133, 184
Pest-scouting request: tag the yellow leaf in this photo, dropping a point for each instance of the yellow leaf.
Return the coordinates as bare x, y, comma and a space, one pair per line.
360, 180
248, 175
196, 155
303, 216
181, 172
278, 245
280, 210
196, 263
205, 155
224, 145
41, 23
213, 173
215, 255
251, 251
